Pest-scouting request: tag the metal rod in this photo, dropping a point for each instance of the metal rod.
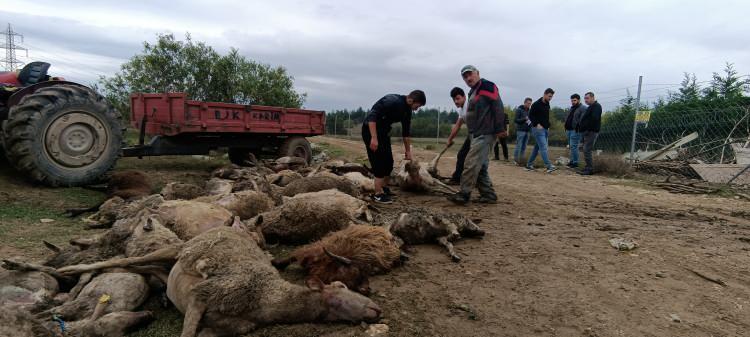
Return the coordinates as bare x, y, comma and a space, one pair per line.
635, 120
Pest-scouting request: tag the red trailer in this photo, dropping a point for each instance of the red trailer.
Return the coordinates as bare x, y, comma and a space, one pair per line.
180, 126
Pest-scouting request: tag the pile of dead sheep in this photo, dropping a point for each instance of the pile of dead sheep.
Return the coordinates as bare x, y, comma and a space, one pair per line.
203, 249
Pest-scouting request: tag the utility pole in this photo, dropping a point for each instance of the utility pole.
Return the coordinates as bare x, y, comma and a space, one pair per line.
10, 61
635, 120
335, 121
349, 127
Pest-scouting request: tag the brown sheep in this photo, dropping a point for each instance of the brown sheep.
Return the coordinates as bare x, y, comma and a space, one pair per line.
308, 217
350, 256
418, 225
225, 285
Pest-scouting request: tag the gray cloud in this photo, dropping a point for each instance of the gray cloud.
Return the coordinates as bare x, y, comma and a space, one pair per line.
346, 55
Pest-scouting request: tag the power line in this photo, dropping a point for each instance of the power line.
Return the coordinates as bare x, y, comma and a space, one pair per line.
10, 46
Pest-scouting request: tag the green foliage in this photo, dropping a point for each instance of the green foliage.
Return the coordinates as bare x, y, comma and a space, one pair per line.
169, 65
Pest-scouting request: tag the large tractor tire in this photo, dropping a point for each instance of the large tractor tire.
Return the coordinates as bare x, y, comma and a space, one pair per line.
296, 147
63, 135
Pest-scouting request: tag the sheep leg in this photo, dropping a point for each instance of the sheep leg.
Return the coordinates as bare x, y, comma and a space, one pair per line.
445, 187
74, 212
193, 315
23, 266
168, 254
472, 230
443, 241
83, 280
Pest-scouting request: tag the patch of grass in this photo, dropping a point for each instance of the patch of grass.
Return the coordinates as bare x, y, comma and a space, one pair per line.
167, 322
332, 150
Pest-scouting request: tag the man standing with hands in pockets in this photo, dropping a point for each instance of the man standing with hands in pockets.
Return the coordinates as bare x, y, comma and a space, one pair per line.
376, 131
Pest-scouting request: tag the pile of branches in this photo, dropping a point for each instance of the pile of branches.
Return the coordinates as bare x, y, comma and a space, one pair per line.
684, 187
667, 168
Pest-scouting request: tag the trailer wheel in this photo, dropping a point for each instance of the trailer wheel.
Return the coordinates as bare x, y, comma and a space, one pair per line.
63, 135
296, 147
241, 157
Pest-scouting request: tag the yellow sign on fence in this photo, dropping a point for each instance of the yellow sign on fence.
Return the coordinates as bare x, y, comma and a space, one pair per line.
643, 116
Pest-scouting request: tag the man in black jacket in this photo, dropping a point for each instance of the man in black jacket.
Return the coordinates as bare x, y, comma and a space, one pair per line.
571, 124
588, 127
376, 131
485, 121
539, 116
523, 128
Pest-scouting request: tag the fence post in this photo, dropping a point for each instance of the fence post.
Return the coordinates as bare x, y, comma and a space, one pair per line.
635, 120
437, 138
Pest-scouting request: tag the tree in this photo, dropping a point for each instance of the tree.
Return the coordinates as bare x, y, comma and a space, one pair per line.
169, 65
730, 86
689, 90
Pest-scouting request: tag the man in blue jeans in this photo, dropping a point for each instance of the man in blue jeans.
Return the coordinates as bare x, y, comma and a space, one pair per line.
539, 116
523, 128
571, 124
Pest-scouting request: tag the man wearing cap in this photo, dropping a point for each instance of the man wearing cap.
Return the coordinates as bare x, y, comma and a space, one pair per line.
486, 122
376, 133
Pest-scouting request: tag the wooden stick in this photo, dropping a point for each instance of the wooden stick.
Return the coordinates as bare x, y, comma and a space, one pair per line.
707, 278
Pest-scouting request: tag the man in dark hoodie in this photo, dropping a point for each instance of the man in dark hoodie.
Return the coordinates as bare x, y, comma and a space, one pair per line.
539, 116
591, 122
523, 127
485, 121
571, 124
376, 133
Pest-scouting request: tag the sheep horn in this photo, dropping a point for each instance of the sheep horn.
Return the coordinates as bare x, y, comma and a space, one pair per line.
337, 258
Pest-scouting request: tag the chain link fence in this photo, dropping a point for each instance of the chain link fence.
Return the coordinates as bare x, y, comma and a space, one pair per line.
693, 143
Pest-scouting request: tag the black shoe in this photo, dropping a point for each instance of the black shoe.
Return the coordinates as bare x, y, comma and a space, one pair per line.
571, 165
586, 172
486, 200
459, 198
381, 198
387, 191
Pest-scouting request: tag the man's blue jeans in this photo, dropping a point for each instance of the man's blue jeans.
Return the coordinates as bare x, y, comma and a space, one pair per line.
574, 138
540, 136
522, 138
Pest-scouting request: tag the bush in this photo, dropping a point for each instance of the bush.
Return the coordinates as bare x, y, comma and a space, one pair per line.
611, 165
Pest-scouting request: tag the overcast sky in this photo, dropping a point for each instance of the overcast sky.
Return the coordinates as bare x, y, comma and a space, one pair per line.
346, 54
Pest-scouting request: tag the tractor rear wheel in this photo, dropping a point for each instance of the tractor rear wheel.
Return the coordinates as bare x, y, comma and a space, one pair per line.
63, 135
296, 147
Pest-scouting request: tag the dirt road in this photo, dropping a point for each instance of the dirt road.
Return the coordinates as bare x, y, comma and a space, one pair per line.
546, 267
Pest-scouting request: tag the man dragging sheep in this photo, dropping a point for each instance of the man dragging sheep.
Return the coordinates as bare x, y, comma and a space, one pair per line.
376, 131
486, 122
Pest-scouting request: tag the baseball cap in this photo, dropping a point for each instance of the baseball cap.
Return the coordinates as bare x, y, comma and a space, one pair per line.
468, 68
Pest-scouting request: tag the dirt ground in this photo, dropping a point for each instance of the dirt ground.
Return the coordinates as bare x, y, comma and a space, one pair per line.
545, 267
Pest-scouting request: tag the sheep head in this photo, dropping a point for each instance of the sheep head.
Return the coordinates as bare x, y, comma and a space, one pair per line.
343, 304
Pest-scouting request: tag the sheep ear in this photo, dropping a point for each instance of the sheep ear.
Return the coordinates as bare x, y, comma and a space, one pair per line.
259, 220
315, 283
51, 247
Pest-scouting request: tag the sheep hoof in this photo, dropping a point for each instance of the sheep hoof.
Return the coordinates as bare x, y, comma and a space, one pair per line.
456, 258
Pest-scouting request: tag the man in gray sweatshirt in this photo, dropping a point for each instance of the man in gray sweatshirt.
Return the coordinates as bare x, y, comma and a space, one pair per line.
571, 124
523, 126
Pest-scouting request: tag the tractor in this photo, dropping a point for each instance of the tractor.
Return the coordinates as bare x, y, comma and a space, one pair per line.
62, 133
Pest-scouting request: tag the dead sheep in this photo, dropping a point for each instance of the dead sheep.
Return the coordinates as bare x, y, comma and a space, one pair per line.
283, 178
288, 163
117, 208
321, 182
26, 289
188, 218
245, 204
128, 185
225, 285
181, 191
350, 256
126, 291
218, 186
413, 176
366, 185
21, 323
308, 217
418, 226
